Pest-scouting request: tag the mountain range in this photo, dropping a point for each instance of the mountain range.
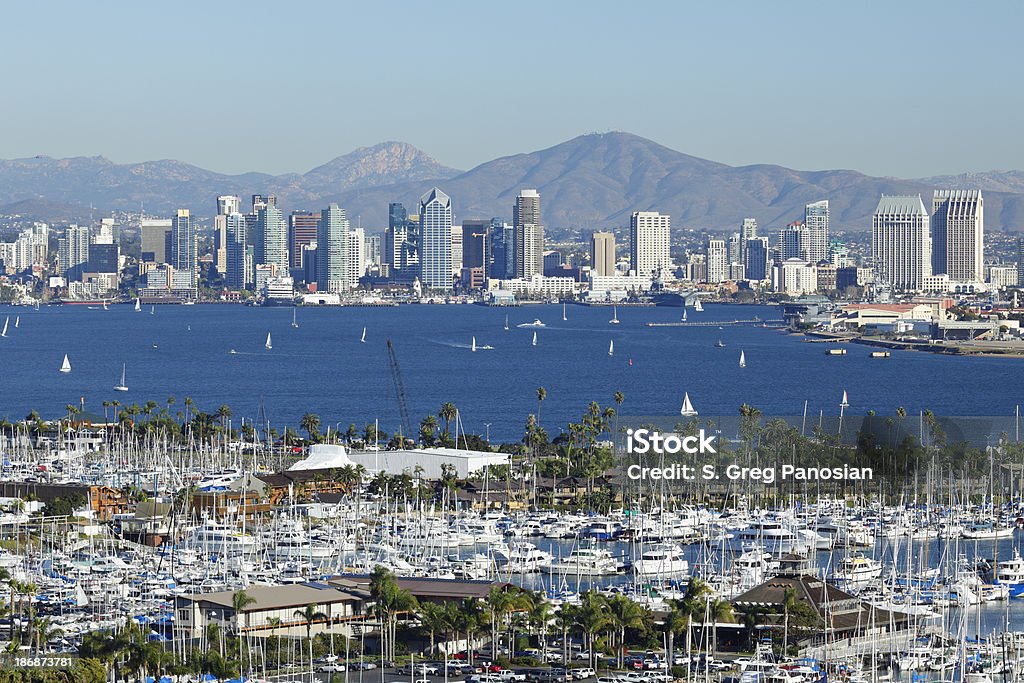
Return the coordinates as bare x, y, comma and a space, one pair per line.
590, 181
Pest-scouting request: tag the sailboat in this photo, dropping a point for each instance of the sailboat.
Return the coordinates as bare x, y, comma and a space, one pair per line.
122, 386
105, 306
743, 360
152, 310
563, 313
687, 410
611, 347
362, 340
720, 344
4, 333
615, 315
295, 323
268, 344
66, 365
506, 323
683, 319
534, 339
473, 347
697, 307
138, 305
846, 402
17, 321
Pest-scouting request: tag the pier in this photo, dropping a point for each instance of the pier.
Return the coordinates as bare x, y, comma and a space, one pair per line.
756, 322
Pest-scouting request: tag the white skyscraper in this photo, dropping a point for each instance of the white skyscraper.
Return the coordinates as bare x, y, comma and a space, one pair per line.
649, 239
717, 261
814, 240
901, 243
529, 234
436, 240
272, 239
331, 249
355, 257
456, 249
958, 235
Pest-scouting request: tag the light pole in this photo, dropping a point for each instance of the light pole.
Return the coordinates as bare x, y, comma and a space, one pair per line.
487, 430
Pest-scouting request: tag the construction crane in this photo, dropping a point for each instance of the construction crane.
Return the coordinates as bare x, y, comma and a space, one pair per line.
396, 375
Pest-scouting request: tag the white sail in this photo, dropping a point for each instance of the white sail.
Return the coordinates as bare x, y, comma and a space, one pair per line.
268, 344
295, 323
846, 401
743, 360
697, 307
534, 338
611, 347
122, 386
138, 305
506, 322
4, 333
105, 306
152, 310
687, 409
684, 315
615, 315
66, 365
473, 348
17, 321
362, 339
563, 313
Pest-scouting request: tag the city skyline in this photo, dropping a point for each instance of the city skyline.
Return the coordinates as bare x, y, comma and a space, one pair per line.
570, 68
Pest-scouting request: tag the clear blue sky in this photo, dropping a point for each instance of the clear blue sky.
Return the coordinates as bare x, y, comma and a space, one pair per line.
903, 89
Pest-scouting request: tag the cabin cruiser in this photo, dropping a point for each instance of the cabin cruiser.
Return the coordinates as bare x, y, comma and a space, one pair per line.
662, 559
216, 538
584, 561
524, 558
857, 570
773, 537
536, 323
1010, 573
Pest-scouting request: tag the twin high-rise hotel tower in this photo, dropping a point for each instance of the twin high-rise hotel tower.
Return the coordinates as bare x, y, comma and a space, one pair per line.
913, 250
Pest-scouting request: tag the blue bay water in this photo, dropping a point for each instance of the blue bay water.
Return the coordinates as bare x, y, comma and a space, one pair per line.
323, 368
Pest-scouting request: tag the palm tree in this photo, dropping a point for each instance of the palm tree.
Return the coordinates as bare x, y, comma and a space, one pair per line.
542, 394
239, 601
448, 412
623, 614
309, 615
619, 398
310, 422
433, 619
224, 412
428, 426
388, 600
677, 621
788, 603
591, 618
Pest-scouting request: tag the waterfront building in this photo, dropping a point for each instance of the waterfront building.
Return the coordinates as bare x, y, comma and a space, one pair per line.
697, 268
748, 231
331, 246
814, 243
602, 253
226, 205
475, 247
302, 231
73, 251
536, 287
794, 277
456, 251
617, 286
272, 238
355, 258
649, 235
436, 240
183, 246
502, 240
154, 237
717, 260
901, 245
958, 234
235, 249
756, 263
529, 234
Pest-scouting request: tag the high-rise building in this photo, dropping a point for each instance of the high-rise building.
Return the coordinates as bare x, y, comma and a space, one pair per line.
748, 231
1020, 261
602, 253
73, 251
649, 238
756, 264
475, 266
371, 248
456, 250
790, 241
235, 274
355, 258
154, 238
183, 247
436, 240
901, 244
502, 241
529, 235
717, 261
302, 226
229, 204
814, 244
331, 249
958, 235
395, 235
272, 239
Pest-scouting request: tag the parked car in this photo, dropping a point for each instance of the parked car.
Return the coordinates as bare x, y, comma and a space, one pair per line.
331, 668
583, 673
